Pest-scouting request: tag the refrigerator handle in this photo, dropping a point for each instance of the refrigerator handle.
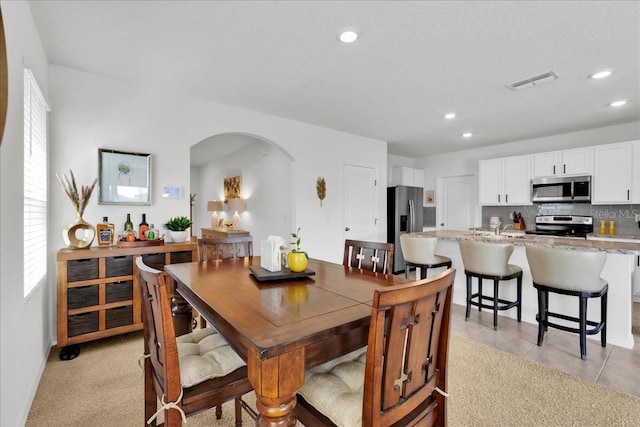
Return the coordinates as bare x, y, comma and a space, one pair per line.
411, 217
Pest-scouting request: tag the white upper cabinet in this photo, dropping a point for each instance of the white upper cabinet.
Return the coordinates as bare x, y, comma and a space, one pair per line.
505, 181
613, 176
401, 175
578, 161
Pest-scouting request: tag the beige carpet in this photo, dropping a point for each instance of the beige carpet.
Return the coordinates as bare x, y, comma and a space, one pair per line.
103, 387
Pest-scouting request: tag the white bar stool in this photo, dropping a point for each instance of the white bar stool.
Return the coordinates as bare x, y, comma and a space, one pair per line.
575, 273
490, 261
418, 252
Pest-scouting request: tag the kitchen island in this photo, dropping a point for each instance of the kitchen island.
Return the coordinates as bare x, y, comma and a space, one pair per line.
618, 271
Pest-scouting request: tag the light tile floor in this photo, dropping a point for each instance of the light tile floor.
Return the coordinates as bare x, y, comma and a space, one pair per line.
612, 366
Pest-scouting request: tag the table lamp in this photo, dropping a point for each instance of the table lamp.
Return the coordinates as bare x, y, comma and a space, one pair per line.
236, 205
214, 206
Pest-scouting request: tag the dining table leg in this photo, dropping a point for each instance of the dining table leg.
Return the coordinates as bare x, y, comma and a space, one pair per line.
276, 381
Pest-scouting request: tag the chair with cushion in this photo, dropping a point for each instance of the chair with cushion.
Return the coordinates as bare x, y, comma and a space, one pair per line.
490, 261
400, 378
187, 374
574, 273
371, 256
418, 252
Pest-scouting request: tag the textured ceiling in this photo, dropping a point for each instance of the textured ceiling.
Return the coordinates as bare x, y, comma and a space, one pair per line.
414, 62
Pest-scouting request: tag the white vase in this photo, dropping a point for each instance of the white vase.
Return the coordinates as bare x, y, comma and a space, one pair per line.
179, 236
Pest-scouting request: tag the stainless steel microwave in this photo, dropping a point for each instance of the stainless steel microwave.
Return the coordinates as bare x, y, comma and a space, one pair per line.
562, 189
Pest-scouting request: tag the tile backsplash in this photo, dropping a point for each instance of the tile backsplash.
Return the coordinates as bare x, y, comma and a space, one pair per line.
623, 215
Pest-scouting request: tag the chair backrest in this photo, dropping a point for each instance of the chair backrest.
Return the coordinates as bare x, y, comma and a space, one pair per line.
418, 249
159, 334
225, 247
491, 259
566, 269
371, 256
407, 353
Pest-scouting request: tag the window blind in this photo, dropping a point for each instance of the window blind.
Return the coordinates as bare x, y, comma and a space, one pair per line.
35, 184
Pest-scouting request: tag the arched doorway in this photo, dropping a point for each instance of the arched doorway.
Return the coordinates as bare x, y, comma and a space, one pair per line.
265, 172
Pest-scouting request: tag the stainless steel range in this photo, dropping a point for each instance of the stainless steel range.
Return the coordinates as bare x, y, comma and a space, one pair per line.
563, 225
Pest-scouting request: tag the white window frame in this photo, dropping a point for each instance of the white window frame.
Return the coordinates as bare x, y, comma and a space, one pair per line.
35, 184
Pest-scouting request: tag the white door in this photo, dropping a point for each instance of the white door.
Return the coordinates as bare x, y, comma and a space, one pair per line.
360, 203
456, 205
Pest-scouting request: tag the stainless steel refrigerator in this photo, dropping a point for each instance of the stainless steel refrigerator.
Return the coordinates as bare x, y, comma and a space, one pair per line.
404, 215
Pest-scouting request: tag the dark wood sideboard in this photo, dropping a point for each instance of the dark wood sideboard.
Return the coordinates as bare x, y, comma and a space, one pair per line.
97, 288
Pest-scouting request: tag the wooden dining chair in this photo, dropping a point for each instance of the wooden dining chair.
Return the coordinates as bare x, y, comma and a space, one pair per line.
372, 256
222, 248
225, 247
400, 378
190, 373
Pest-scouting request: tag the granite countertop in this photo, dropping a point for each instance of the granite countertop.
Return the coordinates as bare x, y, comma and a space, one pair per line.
628, 244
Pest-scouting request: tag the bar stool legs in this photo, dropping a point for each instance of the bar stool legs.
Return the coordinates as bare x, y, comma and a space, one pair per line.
497, 304
543, 315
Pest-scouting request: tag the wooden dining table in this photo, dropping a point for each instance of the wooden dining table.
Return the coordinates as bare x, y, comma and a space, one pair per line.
281, 327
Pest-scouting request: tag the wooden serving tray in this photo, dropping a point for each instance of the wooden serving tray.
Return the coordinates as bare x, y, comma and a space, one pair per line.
140, 243
264, 275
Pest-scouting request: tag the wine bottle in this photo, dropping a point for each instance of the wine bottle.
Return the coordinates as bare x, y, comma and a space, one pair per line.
143, 227
128, 225
129, 233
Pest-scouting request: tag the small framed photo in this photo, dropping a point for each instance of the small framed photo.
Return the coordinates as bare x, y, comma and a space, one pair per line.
429, 197
172, 192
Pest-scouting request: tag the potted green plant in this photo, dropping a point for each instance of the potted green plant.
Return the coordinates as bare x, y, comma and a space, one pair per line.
297, 259
178, 228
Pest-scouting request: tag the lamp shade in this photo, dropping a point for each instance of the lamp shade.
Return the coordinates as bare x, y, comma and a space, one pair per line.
237, 205
214, 206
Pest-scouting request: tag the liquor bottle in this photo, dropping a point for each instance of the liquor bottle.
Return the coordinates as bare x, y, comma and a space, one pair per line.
106, 231
602, 227
143, 227
612, 228
152, 233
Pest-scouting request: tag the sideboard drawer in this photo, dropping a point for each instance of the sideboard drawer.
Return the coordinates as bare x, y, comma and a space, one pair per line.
178, 257
154, 261
83, 296
119, 266
119, 316
83, 323
119, 291
82, 269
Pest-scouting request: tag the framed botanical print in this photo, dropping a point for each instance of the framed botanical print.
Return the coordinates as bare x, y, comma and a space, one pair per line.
124, 178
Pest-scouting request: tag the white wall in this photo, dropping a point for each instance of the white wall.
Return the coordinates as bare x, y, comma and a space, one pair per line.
25, 337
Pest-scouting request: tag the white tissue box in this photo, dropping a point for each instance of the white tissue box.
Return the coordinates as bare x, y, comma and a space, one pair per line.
270, 255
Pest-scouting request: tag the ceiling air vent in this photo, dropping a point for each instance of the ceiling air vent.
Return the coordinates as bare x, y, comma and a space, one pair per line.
533, 81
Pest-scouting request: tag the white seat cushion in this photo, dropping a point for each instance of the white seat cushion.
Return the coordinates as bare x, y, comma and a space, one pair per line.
203, 354
335, 388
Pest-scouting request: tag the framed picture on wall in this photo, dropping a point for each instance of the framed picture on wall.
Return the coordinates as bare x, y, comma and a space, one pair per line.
124, 178
429, 197
232, 187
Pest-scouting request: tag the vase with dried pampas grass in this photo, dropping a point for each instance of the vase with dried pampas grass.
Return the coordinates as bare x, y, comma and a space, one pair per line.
80, 234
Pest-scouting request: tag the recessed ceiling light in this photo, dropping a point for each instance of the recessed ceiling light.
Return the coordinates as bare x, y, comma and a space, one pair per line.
601, 74
348, 35
618, 103
449, 115
467, 135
